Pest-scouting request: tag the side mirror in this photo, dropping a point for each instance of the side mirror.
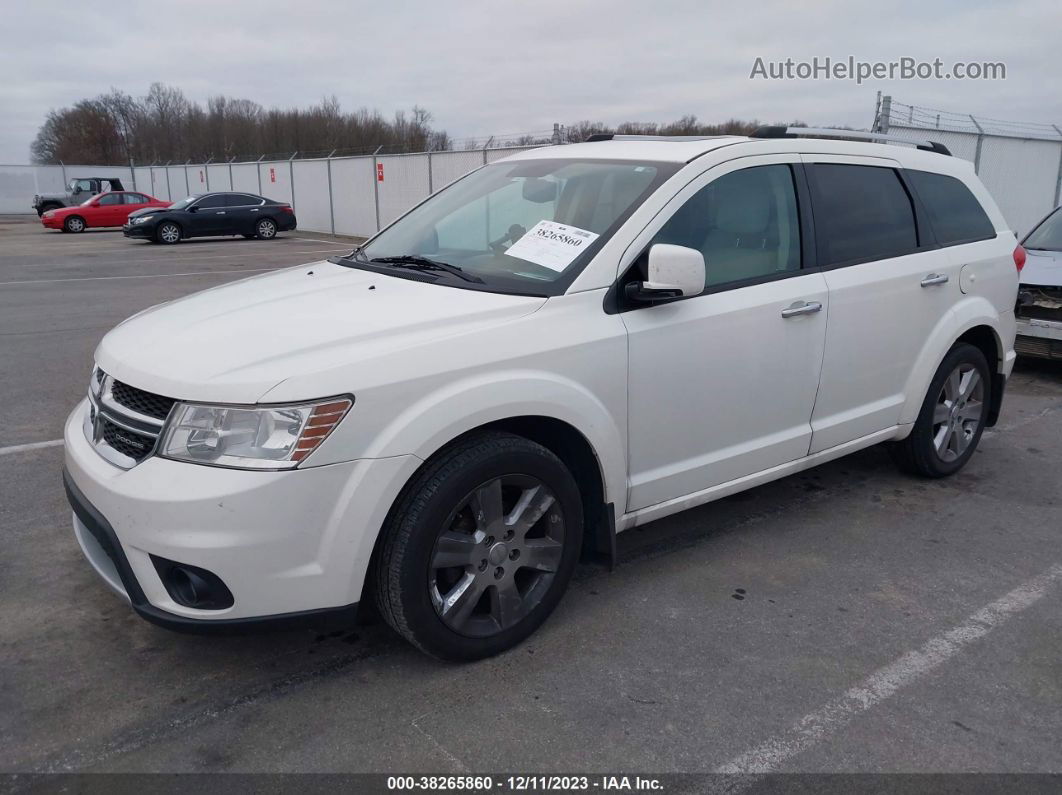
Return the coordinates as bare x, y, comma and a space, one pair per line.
674, 272
193, 209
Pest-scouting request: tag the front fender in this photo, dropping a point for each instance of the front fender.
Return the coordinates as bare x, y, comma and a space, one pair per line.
426, 425
972, 311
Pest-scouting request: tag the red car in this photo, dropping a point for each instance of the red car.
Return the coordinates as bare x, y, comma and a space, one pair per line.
106, 209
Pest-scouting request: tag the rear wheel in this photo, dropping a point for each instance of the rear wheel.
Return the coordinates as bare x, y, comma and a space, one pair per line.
952, 418
74, 223
265, 229
168, 232
480, 548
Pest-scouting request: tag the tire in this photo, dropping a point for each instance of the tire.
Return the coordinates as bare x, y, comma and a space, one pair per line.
265, 229
168, 233
952, 417
453, 525
74, 224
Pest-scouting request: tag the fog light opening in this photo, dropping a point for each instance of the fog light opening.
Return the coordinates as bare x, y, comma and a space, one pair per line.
191, 586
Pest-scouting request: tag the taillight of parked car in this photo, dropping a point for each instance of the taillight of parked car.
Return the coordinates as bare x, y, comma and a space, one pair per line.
1019, 258
287, 209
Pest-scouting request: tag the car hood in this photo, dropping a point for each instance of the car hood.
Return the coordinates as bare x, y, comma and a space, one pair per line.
234, 343
148, 211
1042, 268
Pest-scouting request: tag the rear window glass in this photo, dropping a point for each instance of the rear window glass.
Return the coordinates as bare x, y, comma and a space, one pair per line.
956, 216
861, 213
242, 200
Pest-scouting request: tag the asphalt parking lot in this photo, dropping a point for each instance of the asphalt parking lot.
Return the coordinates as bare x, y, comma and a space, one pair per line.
846, 619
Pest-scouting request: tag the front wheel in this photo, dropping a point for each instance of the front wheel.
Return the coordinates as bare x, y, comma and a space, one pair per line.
168, 233
480, 548
952, 418
265, 229
74, 223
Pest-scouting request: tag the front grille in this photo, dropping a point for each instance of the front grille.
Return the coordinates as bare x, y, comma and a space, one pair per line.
140, 401
1038, 346
128, 443
124, 423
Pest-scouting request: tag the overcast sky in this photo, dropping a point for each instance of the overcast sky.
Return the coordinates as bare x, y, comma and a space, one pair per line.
496, 67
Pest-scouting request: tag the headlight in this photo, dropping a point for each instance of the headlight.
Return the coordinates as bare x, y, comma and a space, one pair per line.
142, 218
266, 437
49, 214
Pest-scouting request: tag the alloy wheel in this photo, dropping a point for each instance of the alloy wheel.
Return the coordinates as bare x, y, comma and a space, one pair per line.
497, 556
266, 229
169, 233
75, 225
959, 412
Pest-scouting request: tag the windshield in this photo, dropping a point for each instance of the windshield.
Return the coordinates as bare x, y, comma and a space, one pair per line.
180, 205
1048, 235
527, 226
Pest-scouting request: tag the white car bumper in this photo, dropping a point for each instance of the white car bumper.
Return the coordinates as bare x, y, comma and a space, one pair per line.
1037, 337
285, 544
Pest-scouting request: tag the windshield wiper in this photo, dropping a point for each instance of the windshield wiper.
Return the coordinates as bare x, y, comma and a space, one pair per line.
416, 262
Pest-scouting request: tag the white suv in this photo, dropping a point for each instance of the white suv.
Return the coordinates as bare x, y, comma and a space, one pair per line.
557, 347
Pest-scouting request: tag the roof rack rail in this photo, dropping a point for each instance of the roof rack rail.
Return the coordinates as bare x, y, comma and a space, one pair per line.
859, 135
615, 137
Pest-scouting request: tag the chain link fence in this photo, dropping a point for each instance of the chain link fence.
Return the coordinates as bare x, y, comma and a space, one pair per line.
1019, 162
339, 195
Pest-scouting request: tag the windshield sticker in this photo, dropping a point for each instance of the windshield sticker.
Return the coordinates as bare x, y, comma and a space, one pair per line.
552, 245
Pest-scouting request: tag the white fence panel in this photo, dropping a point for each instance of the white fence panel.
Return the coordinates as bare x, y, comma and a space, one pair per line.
18, 184
500, 154
353, 196
197, 179
1021, 175
448, 166
218, 177
405, 182
245, 178
177, 182
960, 144
276, 181
142, 180
311, 195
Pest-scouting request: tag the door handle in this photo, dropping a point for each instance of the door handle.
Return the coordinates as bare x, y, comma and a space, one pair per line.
801, 308
220, 212
934, 278
254, 211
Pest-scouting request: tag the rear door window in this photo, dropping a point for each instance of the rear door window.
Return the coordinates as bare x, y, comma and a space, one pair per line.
135, 198
242, 200
862, 213
956, 215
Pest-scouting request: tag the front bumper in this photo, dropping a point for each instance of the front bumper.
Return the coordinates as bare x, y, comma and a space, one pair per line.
145, 231
1039, 337
292, 546
52, 223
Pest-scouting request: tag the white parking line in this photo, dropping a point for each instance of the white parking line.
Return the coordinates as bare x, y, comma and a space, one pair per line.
21, 448
819, 725
190, 257
148, 276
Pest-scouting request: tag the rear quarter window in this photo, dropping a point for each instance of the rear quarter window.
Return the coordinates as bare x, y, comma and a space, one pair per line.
954, 212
